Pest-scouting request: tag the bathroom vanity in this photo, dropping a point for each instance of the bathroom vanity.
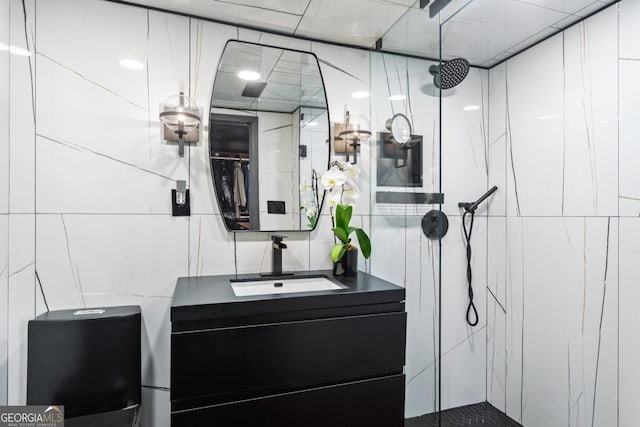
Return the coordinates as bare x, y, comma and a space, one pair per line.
307, 349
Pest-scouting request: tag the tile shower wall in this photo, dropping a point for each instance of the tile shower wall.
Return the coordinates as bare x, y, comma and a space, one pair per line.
85, 199
4, 194
403, 255
562, 341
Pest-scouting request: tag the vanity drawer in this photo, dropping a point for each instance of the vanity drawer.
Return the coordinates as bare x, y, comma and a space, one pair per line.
370, 403
229, 364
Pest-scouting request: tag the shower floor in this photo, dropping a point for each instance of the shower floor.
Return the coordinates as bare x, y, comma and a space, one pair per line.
481, 414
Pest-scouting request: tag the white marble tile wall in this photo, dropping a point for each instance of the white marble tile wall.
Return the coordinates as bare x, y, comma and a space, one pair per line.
629, 393
86, 199
20, 291
496, 311
562, 320
22, 101
4, 306
560, 344
629, 204
4, 105
21, 300
5, 10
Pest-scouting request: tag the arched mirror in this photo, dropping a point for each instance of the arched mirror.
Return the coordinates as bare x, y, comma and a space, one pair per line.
268, 138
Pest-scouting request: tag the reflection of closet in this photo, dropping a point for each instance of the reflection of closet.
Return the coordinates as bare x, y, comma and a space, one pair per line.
232, 182
233, 174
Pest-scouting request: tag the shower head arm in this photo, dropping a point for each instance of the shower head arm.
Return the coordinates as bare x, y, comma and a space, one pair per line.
471, 207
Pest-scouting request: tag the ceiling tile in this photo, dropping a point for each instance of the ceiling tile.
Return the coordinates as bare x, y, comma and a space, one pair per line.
416, 34
290, 6
355, 22
530, 41
486, 28
246, 15
565, 6
236, 13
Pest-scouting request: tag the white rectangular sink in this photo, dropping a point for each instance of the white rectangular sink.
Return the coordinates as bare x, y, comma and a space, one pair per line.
283, 285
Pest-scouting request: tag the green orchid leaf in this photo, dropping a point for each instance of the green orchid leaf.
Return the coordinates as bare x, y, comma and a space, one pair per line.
364, 242
341, 234
343, 216
337, 252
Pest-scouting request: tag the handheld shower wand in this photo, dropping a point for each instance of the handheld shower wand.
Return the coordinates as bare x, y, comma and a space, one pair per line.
470, 209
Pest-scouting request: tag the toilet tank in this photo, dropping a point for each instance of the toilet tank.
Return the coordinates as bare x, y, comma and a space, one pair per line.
86, 359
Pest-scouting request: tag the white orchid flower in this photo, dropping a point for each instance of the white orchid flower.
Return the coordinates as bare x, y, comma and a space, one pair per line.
350, 196
333, 178
311, 213
304, 185
351, 171
308, 204
333, 198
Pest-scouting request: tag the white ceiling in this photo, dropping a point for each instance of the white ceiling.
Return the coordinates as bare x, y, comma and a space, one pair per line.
353, 22
483, 31
489, 31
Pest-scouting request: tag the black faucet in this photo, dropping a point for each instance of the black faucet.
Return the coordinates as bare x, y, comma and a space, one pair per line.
276, 258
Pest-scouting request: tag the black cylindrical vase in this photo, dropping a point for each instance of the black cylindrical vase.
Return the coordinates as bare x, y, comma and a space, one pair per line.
347, 265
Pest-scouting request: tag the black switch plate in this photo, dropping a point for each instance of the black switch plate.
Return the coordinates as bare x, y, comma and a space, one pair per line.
180, 210
276, 207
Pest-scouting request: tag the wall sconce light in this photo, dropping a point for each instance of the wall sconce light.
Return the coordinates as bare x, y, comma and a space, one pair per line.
348, 139
181, 119
180, 203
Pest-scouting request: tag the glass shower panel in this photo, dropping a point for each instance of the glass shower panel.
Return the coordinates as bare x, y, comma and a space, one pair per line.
405, 184
473, 359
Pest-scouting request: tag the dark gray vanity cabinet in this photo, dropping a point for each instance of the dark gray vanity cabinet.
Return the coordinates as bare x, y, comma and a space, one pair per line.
337, 362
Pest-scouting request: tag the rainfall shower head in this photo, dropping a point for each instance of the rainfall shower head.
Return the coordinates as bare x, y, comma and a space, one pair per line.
450, 74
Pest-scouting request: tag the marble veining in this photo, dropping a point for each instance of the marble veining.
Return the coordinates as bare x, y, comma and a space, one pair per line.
27, 26
259, 7
510, 139
21, 269
88, 150
75, 272
496, 300
602, 312
92, 81
335, 67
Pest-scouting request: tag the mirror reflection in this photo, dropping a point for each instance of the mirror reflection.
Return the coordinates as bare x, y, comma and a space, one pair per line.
268, 133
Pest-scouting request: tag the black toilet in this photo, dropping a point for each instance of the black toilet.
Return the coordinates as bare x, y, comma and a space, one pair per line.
89, 361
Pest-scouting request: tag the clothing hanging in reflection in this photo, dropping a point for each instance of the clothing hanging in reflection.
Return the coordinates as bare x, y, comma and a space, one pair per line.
245, 172
232, 185
239, 197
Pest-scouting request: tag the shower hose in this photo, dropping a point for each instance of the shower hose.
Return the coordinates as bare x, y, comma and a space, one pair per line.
472, 313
